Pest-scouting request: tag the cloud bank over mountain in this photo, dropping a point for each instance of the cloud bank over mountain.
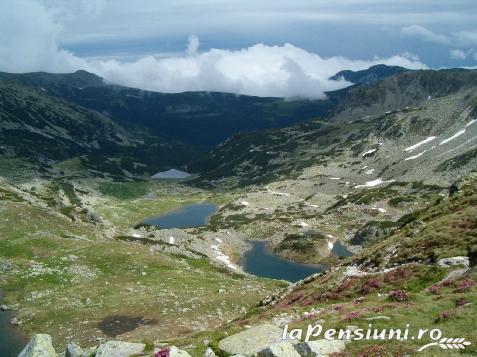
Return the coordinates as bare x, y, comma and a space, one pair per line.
30, 33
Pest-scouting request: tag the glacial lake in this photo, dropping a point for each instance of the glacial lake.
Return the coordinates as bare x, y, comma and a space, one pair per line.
12, 341
261, 261
193, 215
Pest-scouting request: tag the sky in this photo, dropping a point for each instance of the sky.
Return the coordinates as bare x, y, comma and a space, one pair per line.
261, 47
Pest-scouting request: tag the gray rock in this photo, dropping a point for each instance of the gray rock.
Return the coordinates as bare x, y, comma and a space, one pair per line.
251, 341
378, 318
282, 349
90, 352
175, 352
73, 350
39, 346
119, 349
320, 348
209, 353
447, 262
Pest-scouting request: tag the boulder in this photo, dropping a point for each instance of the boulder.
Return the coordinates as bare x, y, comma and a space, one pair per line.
209, 353
282, 349
251, 341
373, 231
175, 352
73, 350
39, 346
320, 348
447, 262
119, 349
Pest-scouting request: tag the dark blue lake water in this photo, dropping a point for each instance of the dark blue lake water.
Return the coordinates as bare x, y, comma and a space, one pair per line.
12, 341
340, 250
194, 215
261, 261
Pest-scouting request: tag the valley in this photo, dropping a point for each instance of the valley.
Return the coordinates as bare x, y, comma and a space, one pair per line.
374, 193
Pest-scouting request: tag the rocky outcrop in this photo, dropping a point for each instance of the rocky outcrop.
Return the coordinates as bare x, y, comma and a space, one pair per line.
119, 349
266, 341
39, 346
175, 352
73, 350
251, 341
453, 261
374, 230
321, 348
282, 349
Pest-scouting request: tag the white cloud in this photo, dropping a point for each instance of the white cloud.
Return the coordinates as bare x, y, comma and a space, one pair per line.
466, 38
424, 34
29, 36
193, 45
458, 54
462, 39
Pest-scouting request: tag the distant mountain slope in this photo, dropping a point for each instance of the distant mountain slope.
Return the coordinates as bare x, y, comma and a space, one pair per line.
43, 129
437, 104
202, 119
369, 76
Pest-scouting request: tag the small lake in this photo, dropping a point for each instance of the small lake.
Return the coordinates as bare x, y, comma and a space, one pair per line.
193, 215
340, 250
261, 261
12, 341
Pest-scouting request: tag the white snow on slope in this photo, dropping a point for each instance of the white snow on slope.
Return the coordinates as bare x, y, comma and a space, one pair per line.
470, 122
415, 146
223, 258
459, 133
369, 152
415, 156
369, 172
276, 193
373, 183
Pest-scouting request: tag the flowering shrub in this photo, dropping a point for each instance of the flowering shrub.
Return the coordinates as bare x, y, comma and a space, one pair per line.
370, 284
464, 285
399, 295
435, 289
397, 275
352, 316
461, 301
444, 315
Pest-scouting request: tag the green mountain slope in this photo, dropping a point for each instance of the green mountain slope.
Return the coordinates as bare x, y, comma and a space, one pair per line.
202, 119
437, 104
44, 130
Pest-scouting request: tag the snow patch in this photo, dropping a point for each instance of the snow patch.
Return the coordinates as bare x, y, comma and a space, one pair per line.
369, 152
459, 133
171, 240
330, 245
373, 183
470, 122
415, 156
369, 172
415, 146
276, 193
